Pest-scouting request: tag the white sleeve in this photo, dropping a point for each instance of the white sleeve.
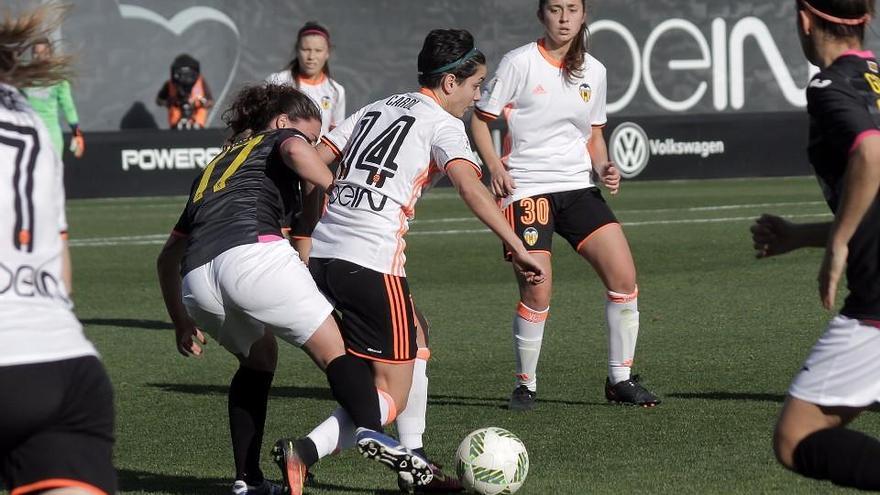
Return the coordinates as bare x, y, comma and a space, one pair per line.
338, 138
338, 109
598, 117
502, 89
451, 143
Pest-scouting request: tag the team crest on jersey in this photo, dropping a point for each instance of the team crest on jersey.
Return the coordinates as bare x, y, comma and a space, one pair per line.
326, 102
530, 235
872, 66
586, 92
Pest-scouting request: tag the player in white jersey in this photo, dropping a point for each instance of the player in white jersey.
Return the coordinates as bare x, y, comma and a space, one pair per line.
56, 424
309, 72
552, 95
390, 151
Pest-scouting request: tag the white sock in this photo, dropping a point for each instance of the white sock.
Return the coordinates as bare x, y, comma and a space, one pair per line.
411, 422
528, 332
338, 431
622, 315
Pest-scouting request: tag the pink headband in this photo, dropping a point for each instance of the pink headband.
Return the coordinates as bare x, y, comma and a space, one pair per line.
837, 20
308, 32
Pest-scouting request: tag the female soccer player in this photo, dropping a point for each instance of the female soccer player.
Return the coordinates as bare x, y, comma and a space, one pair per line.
552, 94
393, 149
243, 283
309, 71
56, 422
841, 376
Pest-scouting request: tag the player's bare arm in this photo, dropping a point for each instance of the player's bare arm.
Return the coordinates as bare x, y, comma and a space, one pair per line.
168, 265
773, 235
303, 159
605, 170
861, 184
478, 199
502, 183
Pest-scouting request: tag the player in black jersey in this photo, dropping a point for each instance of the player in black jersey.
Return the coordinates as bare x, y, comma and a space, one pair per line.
243, 283
841, 376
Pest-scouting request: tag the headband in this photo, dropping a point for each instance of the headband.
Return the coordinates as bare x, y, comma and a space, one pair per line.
452, 65
312, 31
837, 20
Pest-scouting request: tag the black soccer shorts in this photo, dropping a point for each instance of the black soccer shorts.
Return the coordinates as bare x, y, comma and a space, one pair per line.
56, 427
574, 215
376, 309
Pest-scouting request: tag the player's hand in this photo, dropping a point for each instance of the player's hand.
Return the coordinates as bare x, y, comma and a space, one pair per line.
528, 267
830, 273
610, 177
188, 336
502, 183
773, 235
77, 143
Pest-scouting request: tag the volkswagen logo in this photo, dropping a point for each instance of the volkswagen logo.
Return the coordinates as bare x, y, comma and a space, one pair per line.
629, 149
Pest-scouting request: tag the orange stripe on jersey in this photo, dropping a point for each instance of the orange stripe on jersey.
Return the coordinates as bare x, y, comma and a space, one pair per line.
57, 483
392, 309
332, 146
408, 211
547, 56
430, 92
458, 161
485, 116
529, 314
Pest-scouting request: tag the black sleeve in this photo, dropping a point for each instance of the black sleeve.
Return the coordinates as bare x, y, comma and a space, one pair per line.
840, 112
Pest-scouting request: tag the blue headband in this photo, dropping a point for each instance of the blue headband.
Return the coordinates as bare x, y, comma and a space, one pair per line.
452, 65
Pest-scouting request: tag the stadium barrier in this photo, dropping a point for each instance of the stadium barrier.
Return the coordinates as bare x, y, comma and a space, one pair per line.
158, 163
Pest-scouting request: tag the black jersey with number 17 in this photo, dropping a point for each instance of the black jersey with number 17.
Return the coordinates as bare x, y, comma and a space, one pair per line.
244, 193
844, 106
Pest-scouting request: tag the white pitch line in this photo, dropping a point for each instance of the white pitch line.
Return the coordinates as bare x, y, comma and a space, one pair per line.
156, 239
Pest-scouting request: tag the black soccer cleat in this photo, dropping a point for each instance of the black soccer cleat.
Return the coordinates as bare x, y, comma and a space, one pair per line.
522, 399
388, 451
441, 483
630, 392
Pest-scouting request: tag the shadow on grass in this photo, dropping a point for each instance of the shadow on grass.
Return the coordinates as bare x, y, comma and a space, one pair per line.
349, 489
128, 323
499, 402
747, 396
141, 481
317, 393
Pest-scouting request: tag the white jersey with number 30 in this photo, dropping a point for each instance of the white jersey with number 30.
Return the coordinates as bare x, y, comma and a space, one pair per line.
36, 322
391, 150
549, 119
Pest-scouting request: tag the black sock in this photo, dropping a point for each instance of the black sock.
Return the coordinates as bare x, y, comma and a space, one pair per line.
248, 397
845, 457
306, 450
351, 381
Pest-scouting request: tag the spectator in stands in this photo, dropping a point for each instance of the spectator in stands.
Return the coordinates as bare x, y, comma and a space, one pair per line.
186, 95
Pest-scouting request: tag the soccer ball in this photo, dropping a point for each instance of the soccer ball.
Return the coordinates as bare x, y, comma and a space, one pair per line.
492, 461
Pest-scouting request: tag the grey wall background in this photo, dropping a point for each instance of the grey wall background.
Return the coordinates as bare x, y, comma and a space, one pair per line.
124, 47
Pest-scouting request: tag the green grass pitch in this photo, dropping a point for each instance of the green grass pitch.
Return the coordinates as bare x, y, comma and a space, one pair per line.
721, 336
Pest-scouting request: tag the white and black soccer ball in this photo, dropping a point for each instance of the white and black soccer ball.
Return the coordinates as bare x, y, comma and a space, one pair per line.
492, 461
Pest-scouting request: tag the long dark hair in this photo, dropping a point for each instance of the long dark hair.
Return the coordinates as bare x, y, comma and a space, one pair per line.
573, 62
310, 28
840, 18
448, 51
255, 106
18, 34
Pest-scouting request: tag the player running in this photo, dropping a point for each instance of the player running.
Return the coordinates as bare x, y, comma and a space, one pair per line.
309, 72
552, 94
56, 422
242, 281
841, 376
390, 151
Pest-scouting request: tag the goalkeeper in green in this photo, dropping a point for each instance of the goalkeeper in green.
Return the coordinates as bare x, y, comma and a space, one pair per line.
46, 101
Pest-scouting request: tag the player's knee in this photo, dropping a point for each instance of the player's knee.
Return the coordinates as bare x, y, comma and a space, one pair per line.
785, 440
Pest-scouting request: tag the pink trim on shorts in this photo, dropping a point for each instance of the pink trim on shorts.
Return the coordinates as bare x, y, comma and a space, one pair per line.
269, 238
861, 137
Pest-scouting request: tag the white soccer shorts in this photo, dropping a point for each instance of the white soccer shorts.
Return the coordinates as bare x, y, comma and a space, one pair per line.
248, 289
843, 368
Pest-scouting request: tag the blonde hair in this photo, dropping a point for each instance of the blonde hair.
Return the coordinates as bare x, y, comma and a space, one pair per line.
18, 34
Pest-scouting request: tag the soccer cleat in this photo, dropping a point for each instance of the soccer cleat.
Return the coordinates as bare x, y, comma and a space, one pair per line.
264, 488
382, 448
630, 392
522, 399
441, 483
293, 471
